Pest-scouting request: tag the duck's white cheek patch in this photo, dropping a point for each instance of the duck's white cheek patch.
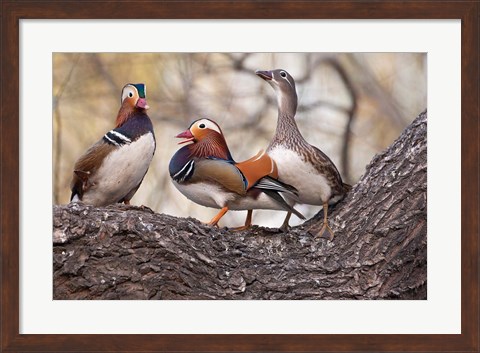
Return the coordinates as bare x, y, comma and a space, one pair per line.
215, 127
212, 126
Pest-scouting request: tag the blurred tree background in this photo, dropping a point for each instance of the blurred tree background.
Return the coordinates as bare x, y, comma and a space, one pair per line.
350, 105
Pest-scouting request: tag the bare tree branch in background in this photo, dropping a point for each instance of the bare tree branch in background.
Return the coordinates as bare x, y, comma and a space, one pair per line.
58, 132
238, 63
105, 74
345, 161
385, 100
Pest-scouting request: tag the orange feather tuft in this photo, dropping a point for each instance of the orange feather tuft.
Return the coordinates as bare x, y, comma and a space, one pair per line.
257, 167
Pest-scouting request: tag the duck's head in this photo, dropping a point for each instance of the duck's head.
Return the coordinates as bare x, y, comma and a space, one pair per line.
206, 139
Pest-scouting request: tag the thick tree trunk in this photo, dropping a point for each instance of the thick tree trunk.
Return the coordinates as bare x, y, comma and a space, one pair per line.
379, 250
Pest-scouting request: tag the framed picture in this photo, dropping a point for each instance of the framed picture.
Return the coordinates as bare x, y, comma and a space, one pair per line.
45, 40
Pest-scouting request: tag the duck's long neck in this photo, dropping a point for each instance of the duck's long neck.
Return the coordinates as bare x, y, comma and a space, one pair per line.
287, 128
123, 115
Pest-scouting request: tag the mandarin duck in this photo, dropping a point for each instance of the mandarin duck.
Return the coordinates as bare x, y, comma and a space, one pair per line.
300, 164
205, 172
112, 169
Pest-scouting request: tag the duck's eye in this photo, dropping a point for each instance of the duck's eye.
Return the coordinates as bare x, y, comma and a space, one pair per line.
283, 74
130, 94
201, 126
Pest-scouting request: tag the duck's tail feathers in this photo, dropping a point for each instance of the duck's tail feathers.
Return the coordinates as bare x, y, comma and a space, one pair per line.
273, 187
270, 183
275, 195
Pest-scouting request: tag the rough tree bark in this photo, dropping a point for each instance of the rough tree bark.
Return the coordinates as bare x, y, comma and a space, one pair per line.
379, 250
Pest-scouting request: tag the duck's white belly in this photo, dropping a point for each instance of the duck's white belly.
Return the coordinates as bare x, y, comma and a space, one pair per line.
262, 202
121, 171
210, 195
313, 188
205, 194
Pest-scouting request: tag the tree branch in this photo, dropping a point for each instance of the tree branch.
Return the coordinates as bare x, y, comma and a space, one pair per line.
379, 250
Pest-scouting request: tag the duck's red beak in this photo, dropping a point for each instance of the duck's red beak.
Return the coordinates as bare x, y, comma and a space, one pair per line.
187, 135
142, 103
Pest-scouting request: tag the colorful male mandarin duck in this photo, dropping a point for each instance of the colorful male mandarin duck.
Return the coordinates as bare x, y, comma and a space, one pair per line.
112, 169
205, 172
300, 164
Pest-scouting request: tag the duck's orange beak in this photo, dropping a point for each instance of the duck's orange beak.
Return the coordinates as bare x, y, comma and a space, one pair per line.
187, 135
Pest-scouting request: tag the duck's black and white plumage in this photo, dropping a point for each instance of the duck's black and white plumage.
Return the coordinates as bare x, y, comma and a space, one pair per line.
205, 172
300, 164
112, 169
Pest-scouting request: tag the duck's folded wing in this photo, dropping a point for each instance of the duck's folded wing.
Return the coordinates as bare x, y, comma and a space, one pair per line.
222, 172
87, 164
325, 165
275, 195
273, 187
269, 183
257, 167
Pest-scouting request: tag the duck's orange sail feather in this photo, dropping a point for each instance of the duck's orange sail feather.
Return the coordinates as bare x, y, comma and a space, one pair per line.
258, 167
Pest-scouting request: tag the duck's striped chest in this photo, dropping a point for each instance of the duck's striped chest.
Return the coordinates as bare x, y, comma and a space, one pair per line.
121, 171
293, 169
